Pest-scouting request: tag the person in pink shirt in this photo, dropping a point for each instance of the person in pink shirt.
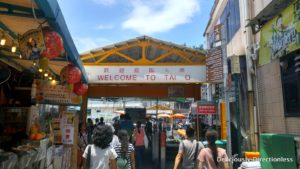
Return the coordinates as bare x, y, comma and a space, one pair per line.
138, 139
212, 157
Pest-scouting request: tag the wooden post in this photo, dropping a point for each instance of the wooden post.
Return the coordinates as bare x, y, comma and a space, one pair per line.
83, 109
74, 146
198, 134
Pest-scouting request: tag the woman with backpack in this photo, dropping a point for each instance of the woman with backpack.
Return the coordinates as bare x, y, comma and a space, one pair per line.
188, 151
100, 155
125, 151
138, 139
213, 157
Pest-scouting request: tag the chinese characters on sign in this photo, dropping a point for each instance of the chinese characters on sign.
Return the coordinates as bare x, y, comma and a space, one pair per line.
207, 108
146, 74
68, 128
55, 94
214, 64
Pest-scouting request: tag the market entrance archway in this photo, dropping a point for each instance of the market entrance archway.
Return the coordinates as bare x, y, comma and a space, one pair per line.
144, 67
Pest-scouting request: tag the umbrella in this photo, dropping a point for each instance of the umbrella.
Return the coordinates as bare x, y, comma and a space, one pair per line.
163, 116
178, 116
159, 109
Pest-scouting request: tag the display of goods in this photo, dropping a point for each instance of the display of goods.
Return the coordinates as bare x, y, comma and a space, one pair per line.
70, 74
35, 132
80, 88
53, 43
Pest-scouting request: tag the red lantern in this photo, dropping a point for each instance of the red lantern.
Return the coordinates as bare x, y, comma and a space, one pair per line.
80, 88
54, 45
70, 74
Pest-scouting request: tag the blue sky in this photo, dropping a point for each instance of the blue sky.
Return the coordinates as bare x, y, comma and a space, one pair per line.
96, 23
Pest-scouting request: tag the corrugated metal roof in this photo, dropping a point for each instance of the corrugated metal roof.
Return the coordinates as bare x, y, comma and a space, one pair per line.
134, 52
139, 39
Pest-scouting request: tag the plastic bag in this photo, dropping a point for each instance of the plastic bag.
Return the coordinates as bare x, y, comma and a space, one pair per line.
146, 141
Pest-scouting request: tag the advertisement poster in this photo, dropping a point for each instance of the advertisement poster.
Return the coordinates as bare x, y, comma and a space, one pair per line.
56, 130
68, 128
48, 93
281, 35
31, 44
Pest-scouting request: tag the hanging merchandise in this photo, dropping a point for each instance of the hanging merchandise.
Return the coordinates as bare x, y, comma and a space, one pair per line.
31, 44
80, 88
54, 45
70, 74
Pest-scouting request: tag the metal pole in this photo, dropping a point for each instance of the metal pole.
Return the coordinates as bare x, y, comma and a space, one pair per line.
197, 123
225, 71
238, 122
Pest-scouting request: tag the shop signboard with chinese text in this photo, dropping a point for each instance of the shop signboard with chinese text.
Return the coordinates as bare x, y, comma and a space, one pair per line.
207, 108
214, 65
281, 35
47, 93
146, 74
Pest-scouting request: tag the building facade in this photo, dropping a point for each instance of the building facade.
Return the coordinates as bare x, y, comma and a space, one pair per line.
277, 65
265, 36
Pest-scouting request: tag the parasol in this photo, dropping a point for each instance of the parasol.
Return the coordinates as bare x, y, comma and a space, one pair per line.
163, 116
178, 116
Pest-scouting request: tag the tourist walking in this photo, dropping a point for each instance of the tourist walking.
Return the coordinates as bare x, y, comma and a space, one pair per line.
90, 129
100, 155
188, 151
212, 157
125, 151
138, 139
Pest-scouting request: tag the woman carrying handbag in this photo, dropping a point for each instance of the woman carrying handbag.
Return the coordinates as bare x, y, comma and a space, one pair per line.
100, 155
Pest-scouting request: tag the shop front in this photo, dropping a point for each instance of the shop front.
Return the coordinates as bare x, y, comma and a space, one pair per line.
278, 85
41, 87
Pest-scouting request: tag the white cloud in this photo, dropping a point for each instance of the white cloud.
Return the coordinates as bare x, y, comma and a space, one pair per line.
105, 2
86, 43
152, 16
102, 27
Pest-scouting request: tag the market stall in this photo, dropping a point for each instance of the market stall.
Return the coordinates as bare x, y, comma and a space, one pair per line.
41, 88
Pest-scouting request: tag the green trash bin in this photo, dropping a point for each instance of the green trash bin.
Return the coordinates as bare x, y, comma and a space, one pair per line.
278, 151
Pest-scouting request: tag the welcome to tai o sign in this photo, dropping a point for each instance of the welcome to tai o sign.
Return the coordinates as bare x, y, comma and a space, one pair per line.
146, 74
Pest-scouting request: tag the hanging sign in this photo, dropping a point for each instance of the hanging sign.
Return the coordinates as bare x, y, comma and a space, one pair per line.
214, 64
280, 36
206, 108
48, 93
217, 33
235, 64
146, 74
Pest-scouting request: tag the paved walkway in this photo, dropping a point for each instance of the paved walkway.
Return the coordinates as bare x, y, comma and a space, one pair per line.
149, 164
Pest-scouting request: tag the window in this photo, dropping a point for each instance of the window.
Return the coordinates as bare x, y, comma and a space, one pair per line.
290, 86
231, 18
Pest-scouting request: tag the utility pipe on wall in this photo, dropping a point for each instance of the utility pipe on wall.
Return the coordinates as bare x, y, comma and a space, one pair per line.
250, 70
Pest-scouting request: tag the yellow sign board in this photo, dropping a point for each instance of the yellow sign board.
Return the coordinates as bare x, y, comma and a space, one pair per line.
281, 35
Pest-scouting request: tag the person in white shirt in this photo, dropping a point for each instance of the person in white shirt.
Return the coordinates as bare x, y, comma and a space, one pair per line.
102, 155
115, 141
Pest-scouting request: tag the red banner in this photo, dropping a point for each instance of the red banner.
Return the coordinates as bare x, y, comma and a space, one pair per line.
206, 109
